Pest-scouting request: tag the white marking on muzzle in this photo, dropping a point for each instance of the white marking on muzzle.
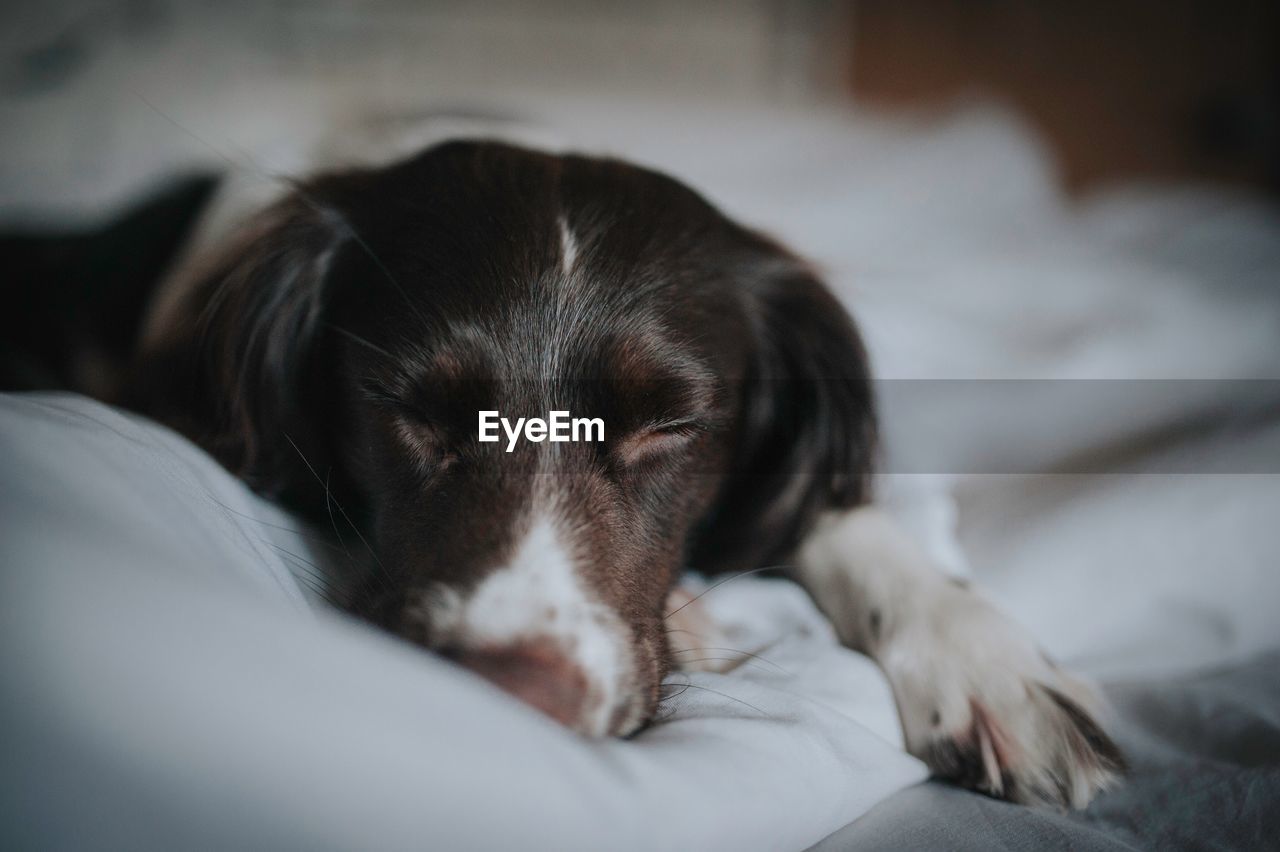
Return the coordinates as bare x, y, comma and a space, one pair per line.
540, 597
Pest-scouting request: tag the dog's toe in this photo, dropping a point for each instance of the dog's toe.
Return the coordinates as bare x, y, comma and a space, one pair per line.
1043, 749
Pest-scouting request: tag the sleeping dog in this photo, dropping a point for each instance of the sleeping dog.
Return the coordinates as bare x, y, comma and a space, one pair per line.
346, 349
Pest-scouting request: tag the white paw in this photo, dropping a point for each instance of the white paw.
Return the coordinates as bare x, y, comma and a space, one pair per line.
983, 707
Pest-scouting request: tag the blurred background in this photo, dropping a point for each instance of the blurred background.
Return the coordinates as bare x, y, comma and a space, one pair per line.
1181, 89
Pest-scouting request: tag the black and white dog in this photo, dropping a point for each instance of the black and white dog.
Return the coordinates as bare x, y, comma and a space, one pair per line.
348, 342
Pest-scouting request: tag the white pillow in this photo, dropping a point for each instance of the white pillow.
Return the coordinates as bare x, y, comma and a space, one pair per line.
167, 683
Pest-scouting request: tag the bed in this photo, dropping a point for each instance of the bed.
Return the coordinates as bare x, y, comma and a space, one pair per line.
1082, 410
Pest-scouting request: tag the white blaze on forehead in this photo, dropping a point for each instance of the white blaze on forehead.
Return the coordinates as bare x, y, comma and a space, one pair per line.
568, 245
540, 597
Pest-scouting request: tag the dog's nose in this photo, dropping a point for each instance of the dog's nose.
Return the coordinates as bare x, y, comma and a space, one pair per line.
539, 676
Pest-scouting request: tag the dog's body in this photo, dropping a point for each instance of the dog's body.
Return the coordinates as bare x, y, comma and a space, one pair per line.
338, 352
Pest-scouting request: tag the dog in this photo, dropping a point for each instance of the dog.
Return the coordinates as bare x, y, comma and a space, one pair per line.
345, 348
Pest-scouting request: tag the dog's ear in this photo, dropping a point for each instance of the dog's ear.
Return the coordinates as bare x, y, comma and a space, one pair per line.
234, 365
806, 437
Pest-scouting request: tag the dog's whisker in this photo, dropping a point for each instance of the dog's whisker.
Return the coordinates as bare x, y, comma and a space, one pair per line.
305, 565
315, 539
303, 568
355, 338
720, 583
332, 502
302, 575
683, 630
740, 653
736, 661
683, 690
688, 686
250, 167
384, 579
350, 231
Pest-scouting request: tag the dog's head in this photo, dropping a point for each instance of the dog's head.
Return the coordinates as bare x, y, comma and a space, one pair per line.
344, 347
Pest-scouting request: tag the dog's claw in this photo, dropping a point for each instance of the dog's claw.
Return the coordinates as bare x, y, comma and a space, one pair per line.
1065, 760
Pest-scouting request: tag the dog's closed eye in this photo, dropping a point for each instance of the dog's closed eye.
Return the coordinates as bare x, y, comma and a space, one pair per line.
433, 448
658, 440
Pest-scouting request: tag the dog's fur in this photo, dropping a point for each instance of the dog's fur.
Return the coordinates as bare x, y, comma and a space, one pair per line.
336, 355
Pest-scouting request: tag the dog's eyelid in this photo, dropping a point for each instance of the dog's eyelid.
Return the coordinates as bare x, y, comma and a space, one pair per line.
434, 452
418, 428
399, 407
416, 415
697, 420
677, 426
656, 438
415, 429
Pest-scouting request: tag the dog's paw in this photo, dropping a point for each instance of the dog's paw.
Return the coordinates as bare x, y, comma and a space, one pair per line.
983, 707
